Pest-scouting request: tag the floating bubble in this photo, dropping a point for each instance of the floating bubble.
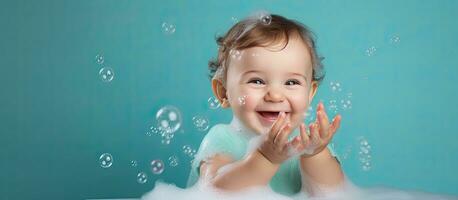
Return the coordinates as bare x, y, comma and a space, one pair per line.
213, 103
169, 119
99, 59
333, 106
309, 115
189, 151
106, 74
347, 152
106, 160
242, 100
167, 135
168, 29
265, 18
306, 113
364, 154
335, 87
395, 39
235, 54
142, 177
201, 122
371, 51
366, 166
173, 161
339, 101
133, 163
346, 104
234, 20
157, 166
152, 130
165, 141
186, 149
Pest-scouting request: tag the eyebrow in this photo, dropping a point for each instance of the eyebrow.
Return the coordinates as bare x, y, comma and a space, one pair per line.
297, 74
251, 71
290, 73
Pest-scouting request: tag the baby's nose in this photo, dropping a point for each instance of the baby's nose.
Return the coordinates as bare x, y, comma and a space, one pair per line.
274, 95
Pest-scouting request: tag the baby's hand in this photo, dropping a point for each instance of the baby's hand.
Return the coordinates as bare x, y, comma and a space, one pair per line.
275, 145
321, 133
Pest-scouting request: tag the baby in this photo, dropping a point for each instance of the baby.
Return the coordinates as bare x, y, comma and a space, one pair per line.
267, 72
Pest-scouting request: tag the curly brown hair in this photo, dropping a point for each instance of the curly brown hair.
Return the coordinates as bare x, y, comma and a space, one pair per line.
263, 30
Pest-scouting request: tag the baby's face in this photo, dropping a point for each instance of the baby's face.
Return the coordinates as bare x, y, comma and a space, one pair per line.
265, 81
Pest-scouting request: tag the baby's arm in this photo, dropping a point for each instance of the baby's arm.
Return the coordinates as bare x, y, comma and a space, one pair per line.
321, 171
254, 170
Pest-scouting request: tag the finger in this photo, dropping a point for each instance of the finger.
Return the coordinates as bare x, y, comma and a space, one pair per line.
283, 135
324, 124
335, 125
276, 138
304, 137
324, 111
314, 134
296, 142
276, 126
320, 106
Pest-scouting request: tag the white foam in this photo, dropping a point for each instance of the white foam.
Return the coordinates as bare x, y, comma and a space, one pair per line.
348, 191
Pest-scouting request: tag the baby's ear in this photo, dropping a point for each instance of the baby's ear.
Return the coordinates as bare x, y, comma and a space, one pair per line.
220, 92
313, 89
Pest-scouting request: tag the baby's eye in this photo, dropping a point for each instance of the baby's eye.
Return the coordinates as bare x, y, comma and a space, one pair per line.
293, 82
256, 81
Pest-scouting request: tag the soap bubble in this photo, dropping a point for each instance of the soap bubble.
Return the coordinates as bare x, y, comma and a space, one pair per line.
395, 39
142, 177
169, 119
339, 101
134, 163
106, 160
213, 103
347, 152
333, 106
234, 20
99, 59
335, 87
189, 151
242, 100
153, 130
364, 154
201, 122
167, 28
235, 54
157, 166
165, 141
371, 51
173, 161
106, 74
265, 18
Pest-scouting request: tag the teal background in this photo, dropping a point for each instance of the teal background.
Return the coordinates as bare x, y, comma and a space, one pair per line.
57, 117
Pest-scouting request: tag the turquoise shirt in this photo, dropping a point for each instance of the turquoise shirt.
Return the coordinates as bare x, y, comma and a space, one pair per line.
222, 138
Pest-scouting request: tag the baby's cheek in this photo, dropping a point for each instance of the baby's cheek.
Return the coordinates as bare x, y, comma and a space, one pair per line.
300, 107
300, 103
247, 102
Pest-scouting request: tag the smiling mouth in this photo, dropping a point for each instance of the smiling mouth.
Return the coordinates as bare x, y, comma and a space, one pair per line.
269, 116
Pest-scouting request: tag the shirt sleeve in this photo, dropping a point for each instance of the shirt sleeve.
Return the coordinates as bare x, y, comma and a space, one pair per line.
217, 141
